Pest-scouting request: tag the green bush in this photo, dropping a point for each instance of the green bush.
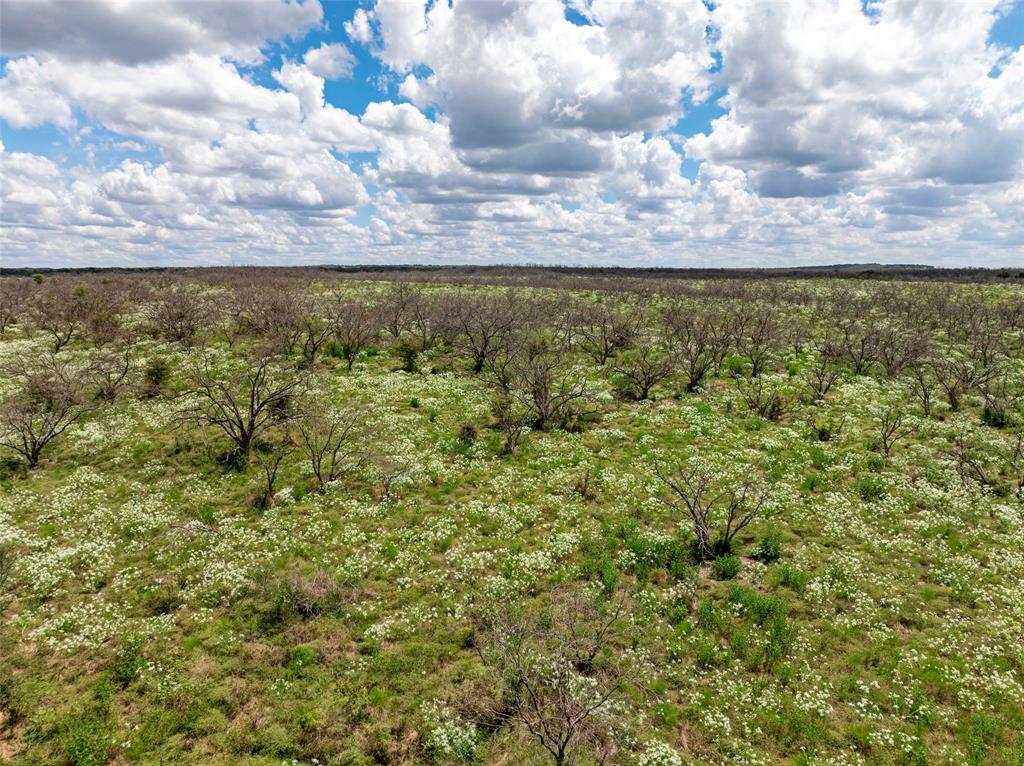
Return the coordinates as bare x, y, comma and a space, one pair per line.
87, 742
770, 547
870, 487
792, 578
725, 567
155, 375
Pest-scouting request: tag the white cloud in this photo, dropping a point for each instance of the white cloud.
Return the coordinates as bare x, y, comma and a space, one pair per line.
330, 61
140, 32
505, 131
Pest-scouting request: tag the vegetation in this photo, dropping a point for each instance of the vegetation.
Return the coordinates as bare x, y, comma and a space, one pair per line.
313, 517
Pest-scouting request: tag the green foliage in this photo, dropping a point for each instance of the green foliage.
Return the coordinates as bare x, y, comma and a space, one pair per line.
87, 741
726, 567
769, 549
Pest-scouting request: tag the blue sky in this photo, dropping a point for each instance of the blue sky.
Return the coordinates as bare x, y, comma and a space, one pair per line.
589, 132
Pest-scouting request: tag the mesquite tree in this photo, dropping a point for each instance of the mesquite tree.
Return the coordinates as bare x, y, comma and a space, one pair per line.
240, 402
557, 672
706, 494
50, 397
330, 439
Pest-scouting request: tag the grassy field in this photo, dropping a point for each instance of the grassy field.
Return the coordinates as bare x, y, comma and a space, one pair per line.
160, 606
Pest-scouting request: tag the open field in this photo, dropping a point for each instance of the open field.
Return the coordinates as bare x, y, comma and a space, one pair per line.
291, 518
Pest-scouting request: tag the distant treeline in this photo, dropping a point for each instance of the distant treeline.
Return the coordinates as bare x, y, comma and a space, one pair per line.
577, 276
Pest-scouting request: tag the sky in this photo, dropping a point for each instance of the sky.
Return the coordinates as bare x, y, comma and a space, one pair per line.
601, 132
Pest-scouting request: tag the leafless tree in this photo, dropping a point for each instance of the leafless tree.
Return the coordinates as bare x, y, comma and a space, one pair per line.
59, 309
512, 418
897, 350
1016, 462
958, 374
822, 374
315, 325
396, 308
242, 403
356, 326
556, 673
604, 329
643, 367
893, 425
483, 323
924, 382
269, 460
8, 558
329, 438
972, 464
857, 344
180, 312
51, 396
103, 306
703, 493
699, 340
110, 372
757, 335
544, 381
15, 293
766, 396
274, 311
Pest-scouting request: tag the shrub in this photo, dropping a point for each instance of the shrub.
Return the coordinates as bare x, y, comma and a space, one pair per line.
707, 654
770, 547
155, 375
310, 596
454, 743
467, 434
792, 578
870, 488
87, 742
725, 567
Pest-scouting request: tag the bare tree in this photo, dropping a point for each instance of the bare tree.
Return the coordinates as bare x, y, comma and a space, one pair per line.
512, 418
958, 374
972, 464
557, 673
51, 397
14, 297
103, 306
269, 459
59, 309
110, 372
605, 329
315, 326
356, 325
821, 376
700, 342
397, 308
180, 312
704, 493
924, 382
644, 367
8, 558
1015, 455
757, 335
329, 438
275, 315
483, 323
893, 425
897, 350
766, 396
240, 403
544, 381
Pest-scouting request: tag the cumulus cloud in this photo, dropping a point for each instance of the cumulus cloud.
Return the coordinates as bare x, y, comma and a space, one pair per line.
500, 131
143, 32
330, 61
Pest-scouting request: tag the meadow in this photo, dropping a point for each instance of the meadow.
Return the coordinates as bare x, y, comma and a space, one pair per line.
278, 518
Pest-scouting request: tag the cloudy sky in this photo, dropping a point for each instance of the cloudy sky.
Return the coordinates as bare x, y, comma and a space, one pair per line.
593, 131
